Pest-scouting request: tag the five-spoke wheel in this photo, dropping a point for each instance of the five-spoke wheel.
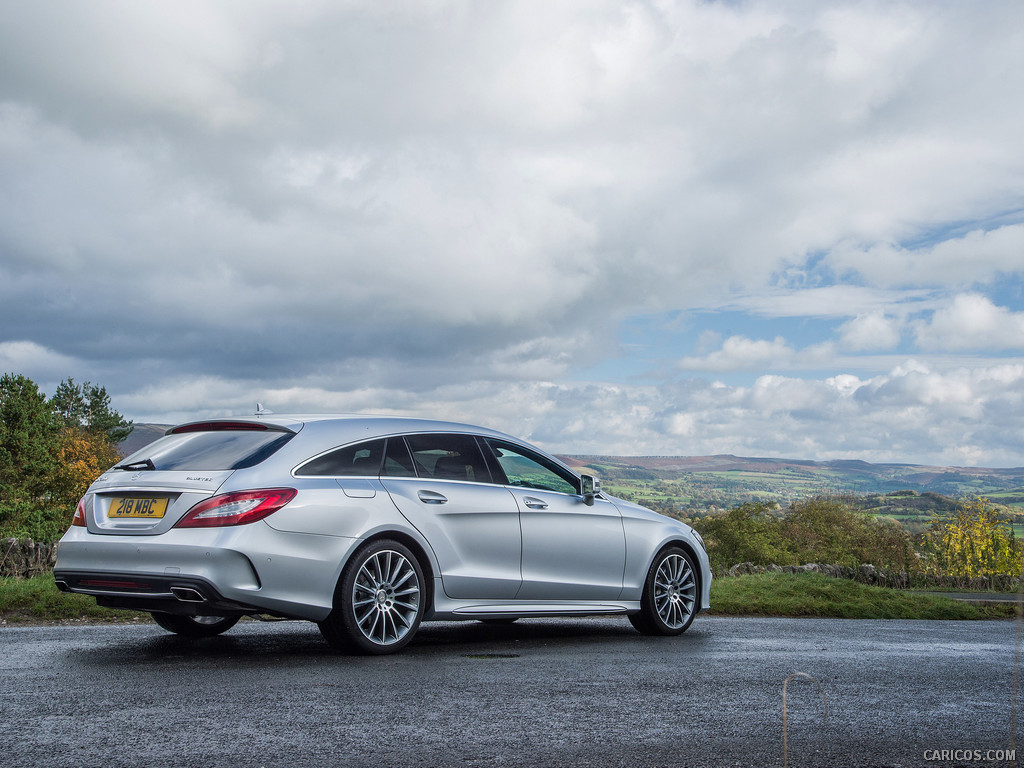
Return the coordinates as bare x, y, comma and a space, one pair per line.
670, 595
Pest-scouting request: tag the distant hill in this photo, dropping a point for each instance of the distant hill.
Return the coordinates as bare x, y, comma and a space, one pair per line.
691, 484
141, 436
841, 475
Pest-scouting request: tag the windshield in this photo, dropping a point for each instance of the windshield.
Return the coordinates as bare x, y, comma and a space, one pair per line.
217, 450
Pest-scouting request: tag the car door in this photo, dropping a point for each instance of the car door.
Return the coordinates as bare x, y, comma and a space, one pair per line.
471, 523
571, 551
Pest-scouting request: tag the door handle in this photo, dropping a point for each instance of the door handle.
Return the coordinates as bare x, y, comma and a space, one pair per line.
534, 503
430, 497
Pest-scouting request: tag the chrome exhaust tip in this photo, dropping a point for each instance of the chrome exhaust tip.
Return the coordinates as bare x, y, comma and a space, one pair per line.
188, 595
62, 585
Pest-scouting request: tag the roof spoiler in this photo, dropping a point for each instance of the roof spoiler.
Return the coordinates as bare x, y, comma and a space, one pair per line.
228, 425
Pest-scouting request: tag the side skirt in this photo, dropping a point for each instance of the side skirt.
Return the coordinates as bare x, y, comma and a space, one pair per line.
446, 609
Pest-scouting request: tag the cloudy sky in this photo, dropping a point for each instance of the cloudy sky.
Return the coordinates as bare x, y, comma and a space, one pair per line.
777, 229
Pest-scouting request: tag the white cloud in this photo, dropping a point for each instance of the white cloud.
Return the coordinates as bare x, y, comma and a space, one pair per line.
44, 366
871, 331
449, 208
739, 353
971, 322
980, 255
909, 414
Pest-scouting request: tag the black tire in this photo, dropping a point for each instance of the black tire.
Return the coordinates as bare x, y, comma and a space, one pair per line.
670, 597
195, 626
379, 601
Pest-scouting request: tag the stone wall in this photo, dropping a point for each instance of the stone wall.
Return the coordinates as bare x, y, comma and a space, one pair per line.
23, 558
869, 574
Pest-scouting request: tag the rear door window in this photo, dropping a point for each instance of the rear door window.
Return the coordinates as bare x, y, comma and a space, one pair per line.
448, 457
397, 460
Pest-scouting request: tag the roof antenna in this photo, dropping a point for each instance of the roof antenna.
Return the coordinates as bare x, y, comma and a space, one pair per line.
261, 411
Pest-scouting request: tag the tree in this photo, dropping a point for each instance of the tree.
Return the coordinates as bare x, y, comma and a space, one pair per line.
28, 437
974, 542
87, 444
51, 451
747, 533
81, 457
87, 406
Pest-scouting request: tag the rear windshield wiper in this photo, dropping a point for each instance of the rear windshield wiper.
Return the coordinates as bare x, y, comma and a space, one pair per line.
137, 465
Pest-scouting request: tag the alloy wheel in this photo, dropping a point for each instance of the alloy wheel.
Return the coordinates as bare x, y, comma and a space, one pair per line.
675, 591
386, 597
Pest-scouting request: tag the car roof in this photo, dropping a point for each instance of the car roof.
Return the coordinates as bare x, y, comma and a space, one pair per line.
321, 432
355, 425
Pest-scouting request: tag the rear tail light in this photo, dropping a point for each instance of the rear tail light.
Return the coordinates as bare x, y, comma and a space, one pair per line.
79, 518
237, 508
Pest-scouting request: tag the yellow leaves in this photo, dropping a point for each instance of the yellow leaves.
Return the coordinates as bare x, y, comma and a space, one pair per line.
974, 542
81, 458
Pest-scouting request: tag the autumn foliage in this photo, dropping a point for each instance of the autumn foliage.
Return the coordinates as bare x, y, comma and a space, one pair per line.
50, 452
81, 457
971, 543
974, 542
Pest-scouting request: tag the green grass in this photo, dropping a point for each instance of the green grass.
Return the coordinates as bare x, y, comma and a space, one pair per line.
811, 594
37, 599
770, 594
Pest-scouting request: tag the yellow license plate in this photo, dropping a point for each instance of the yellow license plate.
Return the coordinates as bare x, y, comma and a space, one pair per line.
136, 507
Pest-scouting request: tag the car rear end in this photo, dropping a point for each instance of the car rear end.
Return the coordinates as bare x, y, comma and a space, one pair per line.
177, 527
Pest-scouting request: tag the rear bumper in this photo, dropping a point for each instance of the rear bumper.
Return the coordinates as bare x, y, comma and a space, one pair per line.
184, 596
242, 569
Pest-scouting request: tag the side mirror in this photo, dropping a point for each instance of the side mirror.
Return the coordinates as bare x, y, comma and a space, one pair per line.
590, 487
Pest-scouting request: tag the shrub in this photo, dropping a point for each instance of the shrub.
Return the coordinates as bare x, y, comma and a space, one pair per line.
819, 530
747, 533
32, 520
830, 530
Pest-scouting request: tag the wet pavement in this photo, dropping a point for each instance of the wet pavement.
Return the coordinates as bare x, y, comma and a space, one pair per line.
575, 692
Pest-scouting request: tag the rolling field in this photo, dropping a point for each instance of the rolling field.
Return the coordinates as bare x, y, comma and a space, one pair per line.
910, 494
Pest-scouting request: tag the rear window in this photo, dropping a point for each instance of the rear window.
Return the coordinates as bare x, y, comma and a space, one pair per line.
360, 459
219, 450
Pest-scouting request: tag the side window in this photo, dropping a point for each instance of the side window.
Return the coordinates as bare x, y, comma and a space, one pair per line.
530, 470
397, 461
448, 457
358, 459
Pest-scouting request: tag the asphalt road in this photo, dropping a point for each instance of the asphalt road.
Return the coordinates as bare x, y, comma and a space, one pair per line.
586, 692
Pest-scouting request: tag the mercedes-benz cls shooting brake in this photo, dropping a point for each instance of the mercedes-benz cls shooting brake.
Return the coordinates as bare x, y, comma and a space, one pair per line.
368, 526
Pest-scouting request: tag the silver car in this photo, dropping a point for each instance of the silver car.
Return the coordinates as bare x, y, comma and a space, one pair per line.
368, 526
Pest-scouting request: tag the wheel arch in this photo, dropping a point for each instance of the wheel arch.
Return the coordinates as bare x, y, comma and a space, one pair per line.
687, 547
422, 557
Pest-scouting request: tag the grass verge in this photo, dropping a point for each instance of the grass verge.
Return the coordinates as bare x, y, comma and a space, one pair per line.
38, 599
770, 594
812, 594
